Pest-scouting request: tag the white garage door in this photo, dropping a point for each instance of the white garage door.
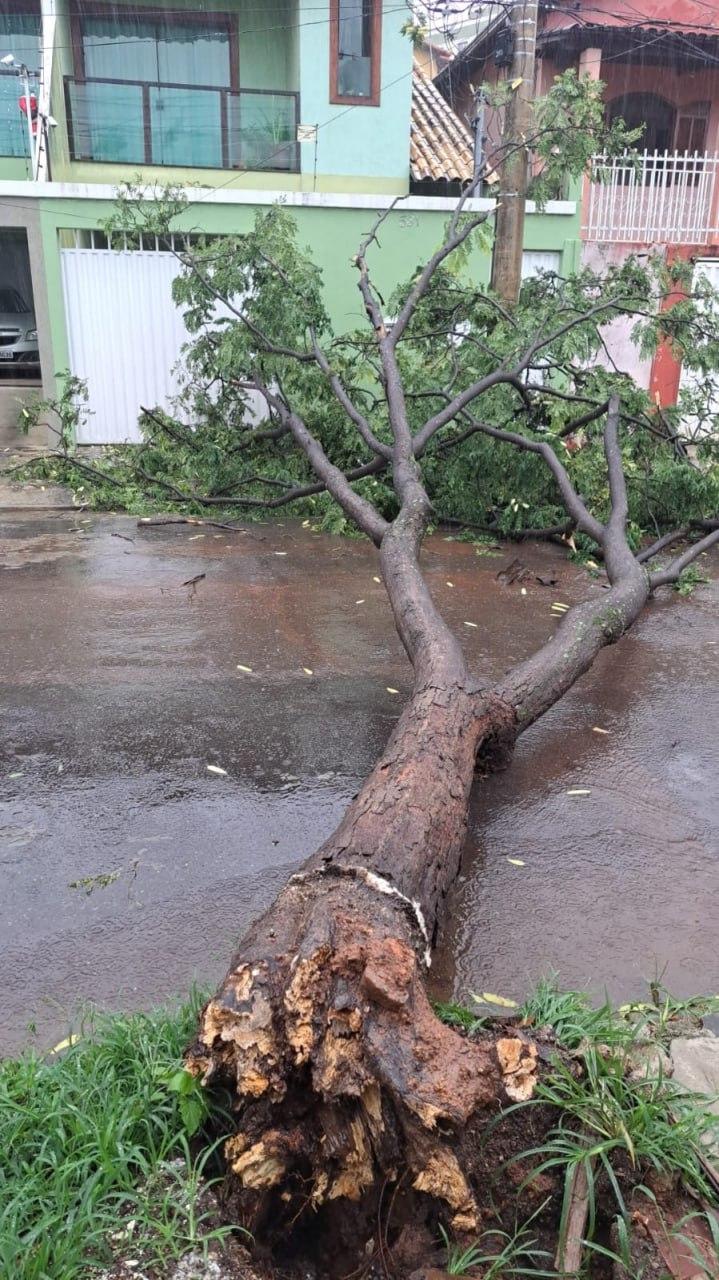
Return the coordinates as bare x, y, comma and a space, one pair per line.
125, 335
709, 269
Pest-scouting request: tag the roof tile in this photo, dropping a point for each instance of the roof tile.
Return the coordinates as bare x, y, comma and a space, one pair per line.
441, 145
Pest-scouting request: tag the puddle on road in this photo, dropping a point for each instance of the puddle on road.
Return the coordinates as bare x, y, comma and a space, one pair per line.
121, 685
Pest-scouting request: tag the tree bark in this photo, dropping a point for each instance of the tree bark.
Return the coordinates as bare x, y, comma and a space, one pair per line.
322, 1030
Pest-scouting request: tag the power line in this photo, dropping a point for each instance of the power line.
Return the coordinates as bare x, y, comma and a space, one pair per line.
267, 167
245, 31
235, 177
648, 18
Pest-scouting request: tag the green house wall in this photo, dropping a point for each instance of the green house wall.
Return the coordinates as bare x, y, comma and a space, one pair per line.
408, 237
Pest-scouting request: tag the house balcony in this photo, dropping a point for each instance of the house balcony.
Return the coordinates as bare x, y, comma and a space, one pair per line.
650, 197
187, 126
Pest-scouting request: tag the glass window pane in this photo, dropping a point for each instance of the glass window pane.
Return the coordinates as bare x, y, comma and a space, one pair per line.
193, 55
186, 127
19, 35
354, 71
119, 48
13, 124
262, 131
107, 122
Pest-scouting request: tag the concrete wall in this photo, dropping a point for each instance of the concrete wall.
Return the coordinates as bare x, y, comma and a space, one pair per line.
18, 214
621, 351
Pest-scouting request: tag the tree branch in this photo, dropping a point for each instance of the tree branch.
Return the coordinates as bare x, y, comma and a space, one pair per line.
571, 500
456, 237
665, 577
346, 403
271, 348
617, 480
365, 516
460, 402
583, 420
648, 553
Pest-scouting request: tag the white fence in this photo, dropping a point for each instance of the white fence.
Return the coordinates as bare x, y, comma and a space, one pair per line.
125, 334
647, 197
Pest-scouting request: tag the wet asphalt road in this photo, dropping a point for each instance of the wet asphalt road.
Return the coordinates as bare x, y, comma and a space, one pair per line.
120, 685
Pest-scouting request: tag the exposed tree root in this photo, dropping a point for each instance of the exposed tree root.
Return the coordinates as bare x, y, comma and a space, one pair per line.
344, 1075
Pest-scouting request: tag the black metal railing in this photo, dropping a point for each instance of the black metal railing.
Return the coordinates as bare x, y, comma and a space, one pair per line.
187, 126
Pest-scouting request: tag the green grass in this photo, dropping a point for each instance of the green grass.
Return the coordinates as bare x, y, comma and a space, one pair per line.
604, 1111
620, 1125
575, 1021
94, 1139
611, 1117
95, 1154
455, 1015
497, 1255
572, 1016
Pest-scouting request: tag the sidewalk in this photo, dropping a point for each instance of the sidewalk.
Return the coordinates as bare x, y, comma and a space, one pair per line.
29, 495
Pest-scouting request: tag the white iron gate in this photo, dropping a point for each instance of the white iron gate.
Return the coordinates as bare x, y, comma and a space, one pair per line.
124, 333
652, 197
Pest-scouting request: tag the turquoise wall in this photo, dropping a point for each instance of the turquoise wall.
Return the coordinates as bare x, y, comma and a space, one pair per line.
14, 168
357, 140
283, 44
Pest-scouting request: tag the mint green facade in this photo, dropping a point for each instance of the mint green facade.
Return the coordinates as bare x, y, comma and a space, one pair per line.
355, 159
282, 46
332, 235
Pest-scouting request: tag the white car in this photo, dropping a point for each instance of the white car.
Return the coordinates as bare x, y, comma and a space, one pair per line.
18, 330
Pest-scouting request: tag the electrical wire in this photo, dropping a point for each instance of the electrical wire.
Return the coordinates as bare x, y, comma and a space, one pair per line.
235, 177
244, 31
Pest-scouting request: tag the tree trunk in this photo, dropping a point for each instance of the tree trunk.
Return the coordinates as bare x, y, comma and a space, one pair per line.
343, 1078
322, 1028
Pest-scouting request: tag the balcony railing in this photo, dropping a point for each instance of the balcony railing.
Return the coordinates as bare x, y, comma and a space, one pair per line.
652, 196
190, 126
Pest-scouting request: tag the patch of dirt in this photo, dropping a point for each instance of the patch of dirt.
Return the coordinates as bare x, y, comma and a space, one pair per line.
221, 1263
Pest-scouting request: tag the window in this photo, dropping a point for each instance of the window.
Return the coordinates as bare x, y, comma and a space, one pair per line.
162, 88
355, 51
19, 35
650, 112
691, 127
129, 105
136, 48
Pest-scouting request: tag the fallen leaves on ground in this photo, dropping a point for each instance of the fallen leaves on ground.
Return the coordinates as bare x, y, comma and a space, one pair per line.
488, 997
67, 1043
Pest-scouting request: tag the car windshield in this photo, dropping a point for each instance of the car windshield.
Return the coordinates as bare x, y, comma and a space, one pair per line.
12, 303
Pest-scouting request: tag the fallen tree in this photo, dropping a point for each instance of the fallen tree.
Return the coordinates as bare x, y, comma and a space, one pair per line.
343, 1080
345, 1088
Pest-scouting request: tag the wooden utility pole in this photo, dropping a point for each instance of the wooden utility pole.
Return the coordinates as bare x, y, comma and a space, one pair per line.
514, 171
